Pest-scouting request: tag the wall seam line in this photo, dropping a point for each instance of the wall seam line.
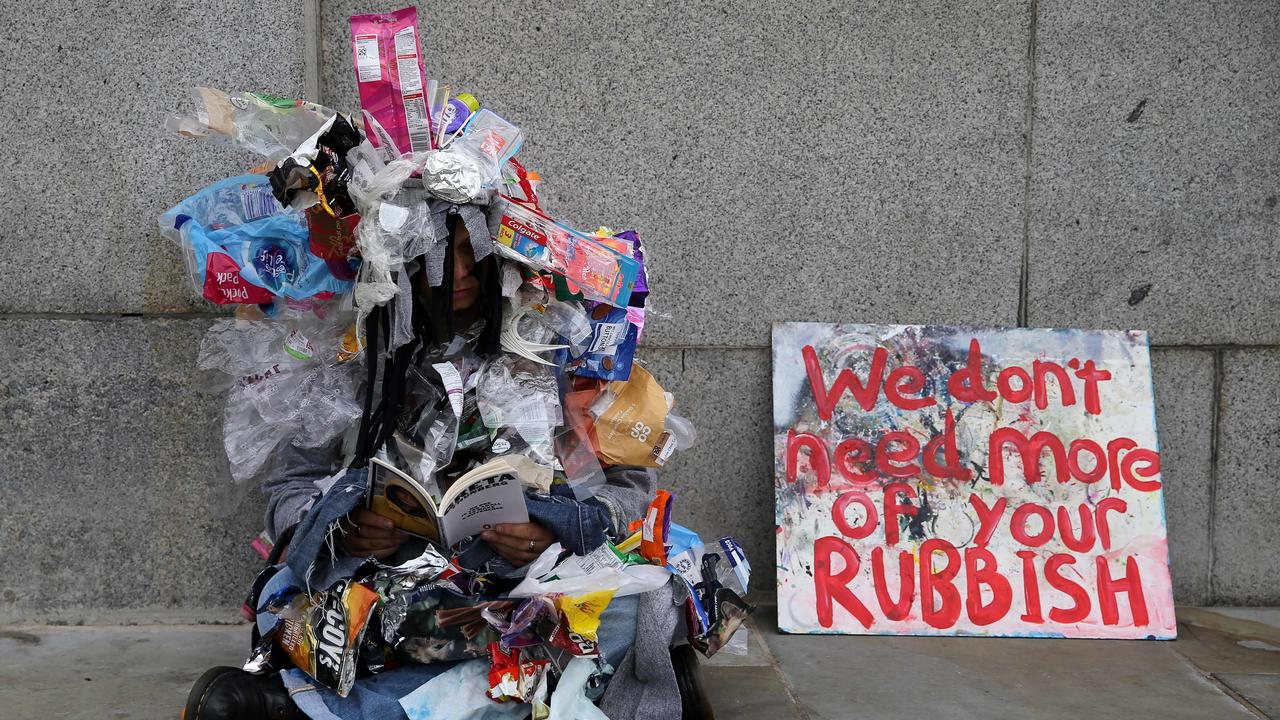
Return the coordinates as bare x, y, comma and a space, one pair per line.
1028, 127
111, 317
311, 51
1215, 425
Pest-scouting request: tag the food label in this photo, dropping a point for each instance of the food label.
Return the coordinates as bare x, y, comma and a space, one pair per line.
368, 64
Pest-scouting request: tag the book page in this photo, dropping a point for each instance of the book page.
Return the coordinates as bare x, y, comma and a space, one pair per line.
396, 496
481, 505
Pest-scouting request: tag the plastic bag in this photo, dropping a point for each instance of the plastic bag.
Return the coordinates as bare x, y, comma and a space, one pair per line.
575, 448
241, 246
389, 74
266, 124
542, 577
459, 693
630, 420
569, 700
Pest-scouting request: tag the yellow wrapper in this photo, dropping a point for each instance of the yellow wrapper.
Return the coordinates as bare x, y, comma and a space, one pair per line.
583, 611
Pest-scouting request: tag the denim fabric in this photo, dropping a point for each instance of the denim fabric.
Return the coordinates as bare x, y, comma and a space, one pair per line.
617, 631
579, 525
310, 557
376, 697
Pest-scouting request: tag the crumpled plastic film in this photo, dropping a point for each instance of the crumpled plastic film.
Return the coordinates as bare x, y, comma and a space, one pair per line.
517, 393
266, 124
569, 699
237, 348
307, 404
569, 321
514, 342
459, 694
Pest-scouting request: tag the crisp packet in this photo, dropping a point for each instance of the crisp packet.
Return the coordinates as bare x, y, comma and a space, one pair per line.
391, 79
511, 678
322, 631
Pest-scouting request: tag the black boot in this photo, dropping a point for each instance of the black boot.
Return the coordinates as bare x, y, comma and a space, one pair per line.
227, 693
694, 704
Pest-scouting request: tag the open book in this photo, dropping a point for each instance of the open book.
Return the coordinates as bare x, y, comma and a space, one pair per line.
490, 494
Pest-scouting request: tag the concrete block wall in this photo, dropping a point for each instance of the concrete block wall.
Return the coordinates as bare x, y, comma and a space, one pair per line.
1077, 163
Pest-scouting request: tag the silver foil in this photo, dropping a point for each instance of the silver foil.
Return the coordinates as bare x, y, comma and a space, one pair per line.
453, 176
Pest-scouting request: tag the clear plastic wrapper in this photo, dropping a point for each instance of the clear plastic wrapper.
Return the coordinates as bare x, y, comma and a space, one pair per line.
469, 169
236, 348
682, 430
569, 321
266, 124
514, 331
309, 405
516, 393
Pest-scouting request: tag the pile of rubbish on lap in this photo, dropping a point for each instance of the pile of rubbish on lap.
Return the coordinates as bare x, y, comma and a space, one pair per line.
319, 249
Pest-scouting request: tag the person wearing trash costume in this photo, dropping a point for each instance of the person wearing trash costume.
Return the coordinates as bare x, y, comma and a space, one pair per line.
636, 632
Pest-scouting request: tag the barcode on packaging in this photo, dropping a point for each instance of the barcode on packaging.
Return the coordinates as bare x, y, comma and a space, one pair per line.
415, 116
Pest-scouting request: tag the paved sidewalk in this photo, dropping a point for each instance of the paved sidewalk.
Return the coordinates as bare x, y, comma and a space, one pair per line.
1225, 664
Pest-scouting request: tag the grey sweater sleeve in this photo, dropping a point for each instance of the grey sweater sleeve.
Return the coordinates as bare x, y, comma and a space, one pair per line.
627, 491
291, 487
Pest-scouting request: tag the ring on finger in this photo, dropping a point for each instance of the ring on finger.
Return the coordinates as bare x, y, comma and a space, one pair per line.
531, 545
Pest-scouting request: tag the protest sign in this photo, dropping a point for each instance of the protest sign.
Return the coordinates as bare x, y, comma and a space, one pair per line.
957, 481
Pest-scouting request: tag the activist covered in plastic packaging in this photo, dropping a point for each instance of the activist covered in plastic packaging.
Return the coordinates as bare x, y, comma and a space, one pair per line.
416, 339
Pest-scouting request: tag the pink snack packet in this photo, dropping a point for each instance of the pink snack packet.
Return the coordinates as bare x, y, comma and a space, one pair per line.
391, 79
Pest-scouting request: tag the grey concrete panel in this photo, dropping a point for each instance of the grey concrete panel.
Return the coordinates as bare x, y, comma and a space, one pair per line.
1245, 530
1226, 640
139, 673
90, 165
1261, 691
1156, 168
112, 487
748, 693
782, 161
1184, 407
724, 484
843, 678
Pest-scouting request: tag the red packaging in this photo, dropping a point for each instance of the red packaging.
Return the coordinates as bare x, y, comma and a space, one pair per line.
392, 83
